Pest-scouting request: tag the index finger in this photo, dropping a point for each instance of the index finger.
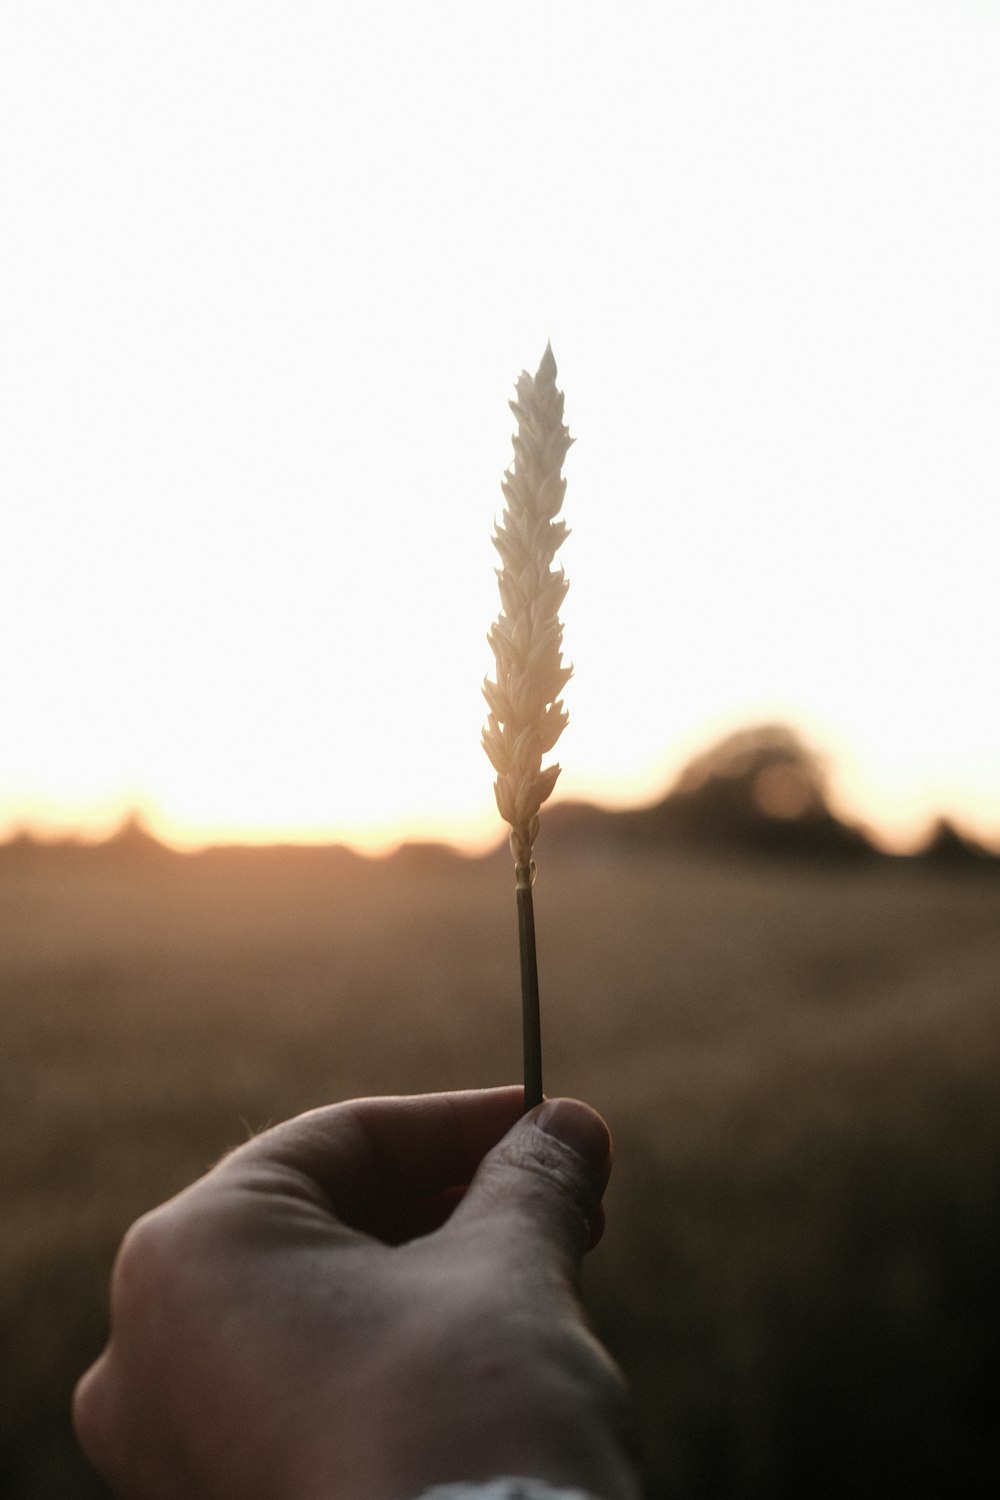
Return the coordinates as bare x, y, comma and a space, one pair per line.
370, 1156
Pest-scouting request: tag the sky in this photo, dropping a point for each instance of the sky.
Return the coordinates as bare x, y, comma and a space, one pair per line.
268, 273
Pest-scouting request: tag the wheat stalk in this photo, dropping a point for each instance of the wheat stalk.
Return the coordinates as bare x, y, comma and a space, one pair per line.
526, 716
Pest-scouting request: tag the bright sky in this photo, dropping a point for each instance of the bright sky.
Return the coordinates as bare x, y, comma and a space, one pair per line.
268, 273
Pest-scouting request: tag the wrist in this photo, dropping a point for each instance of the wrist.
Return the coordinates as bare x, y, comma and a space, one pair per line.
462, 1439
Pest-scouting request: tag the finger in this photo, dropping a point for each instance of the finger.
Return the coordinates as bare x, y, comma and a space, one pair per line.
375, 1161
542, 1184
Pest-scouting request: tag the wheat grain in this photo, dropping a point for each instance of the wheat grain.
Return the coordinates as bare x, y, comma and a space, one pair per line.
526, 716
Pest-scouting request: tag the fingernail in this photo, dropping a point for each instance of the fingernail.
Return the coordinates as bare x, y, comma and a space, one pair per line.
580, 1128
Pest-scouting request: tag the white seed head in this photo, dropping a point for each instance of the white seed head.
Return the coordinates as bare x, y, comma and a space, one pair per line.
526, 716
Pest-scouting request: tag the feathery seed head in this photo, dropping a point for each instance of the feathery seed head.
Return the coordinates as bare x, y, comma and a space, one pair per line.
526, 717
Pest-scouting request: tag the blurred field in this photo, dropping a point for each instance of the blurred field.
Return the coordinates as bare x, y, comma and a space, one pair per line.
801, 1067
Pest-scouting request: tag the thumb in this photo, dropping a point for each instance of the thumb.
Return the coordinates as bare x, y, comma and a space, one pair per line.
544, 1182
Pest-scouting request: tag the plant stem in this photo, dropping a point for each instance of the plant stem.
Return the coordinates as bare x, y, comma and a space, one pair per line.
529, 989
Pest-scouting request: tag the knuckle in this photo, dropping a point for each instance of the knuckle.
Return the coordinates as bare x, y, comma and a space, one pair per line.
146, 1264
548, 1168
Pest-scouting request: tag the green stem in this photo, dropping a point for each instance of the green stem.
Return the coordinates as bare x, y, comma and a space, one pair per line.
529, 990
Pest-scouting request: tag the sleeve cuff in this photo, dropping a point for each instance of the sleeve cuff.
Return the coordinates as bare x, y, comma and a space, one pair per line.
503, 1489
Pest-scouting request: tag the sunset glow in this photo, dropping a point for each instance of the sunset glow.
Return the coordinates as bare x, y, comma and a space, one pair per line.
269, 276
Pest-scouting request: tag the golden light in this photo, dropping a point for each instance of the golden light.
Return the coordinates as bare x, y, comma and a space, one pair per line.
263, 305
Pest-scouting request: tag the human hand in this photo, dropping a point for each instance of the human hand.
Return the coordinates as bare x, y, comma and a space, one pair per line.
367, 1300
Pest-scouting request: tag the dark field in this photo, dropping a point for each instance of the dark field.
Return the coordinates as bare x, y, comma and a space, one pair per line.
801, 1068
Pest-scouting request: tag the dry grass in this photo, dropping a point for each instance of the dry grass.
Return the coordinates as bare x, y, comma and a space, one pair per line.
800, 1068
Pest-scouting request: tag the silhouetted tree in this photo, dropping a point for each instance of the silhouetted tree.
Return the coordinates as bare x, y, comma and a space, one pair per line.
948, 848
761, 789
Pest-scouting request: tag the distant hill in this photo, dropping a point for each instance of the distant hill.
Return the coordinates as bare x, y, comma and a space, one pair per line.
133, 844
132, 841
761, 792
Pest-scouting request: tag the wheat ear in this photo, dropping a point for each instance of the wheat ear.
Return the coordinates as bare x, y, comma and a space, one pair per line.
526, 716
